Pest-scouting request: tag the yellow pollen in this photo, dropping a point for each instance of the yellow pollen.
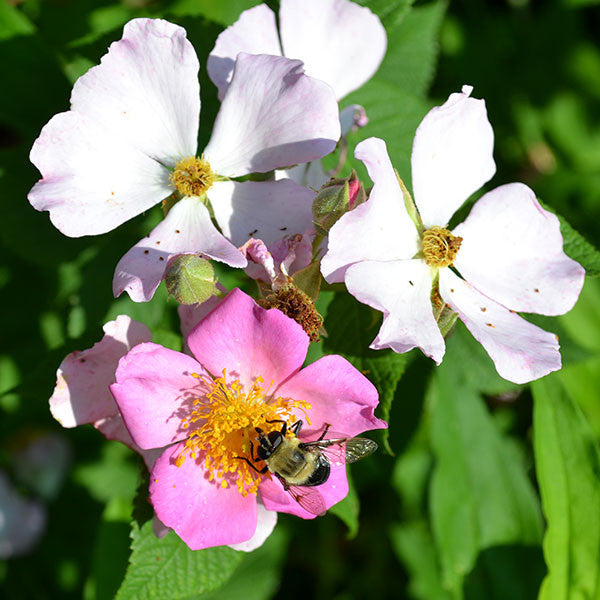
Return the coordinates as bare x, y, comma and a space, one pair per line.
192, 176
222, 423
440, 247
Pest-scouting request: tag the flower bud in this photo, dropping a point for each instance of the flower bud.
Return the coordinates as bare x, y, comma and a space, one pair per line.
335, 198
190, 279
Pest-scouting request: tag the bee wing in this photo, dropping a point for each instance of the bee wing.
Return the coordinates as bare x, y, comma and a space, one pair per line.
343, 450
309, 498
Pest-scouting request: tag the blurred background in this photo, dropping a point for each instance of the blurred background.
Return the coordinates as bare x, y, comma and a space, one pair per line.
66, 496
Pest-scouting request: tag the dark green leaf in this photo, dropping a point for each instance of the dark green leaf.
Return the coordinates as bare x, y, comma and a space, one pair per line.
568, 470
348, 509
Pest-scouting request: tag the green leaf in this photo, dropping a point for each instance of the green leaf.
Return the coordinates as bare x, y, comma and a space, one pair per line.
190, 279
258, 575
351, 327
167, 568
481, 496
348, 509
225, 12
414, 546
568, 468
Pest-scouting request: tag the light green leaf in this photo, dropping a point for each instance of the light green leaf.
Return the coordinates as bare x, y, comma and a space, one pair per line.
167, 568
568, 470
414, 546
481, 496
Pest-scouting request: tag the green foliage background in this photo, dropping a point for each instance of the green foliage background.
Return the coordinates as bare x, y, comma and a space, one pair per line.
488, 490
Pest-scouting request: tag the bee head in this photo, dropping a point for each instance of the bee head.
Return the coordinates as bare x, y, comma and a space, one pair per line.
267, 443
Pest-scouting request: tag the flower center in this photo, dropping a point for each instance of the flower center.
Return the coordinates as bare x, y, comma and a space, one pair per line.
192, 176
440, 247
224, 421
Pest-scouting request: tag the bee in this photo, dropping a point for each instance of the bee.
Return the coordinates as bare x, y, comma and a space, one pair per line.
301, 466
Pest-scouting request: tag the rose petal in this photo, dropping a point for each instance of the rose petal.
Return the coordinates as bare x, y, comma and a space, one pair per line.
379, 229
202, 513
353, 117
155, 390
255, 32
81, 394
146, 90
451, 156
521, 351
187, 228
340, 42
272, 116
339, 395
309, 175
92, 182
512, 252
265, 210
332, 491
402, 291
248, 341
103, 162
266, 521
191, 314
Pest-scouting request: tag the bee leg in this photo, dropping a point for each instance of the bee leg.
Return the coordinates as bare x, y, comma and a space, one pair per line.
327, 426
261, 471
296, 427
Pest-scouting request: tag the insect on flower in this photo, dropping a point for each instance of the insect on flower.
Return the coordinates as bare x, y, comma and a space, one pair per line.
300, 466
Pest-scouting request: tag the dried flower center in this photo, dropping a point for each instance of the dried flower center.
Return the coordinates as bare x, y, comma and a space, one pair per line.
440, 247
224, 419
192, 176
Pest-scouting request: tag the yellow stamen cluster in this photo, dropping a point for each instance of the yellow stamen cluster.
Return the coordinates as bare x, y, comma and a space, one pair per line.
223, 423
192, 176
440, 247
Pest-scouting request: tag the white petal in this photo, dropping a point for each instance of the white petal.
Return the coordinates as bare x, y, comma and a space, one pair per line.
93, 182
379, 229
353, 117
272, 116
512, 252
266, 521
103, 162
521, 351
267, 210
255, 32
401, 289
146, 90
452, 156
309, 175
339, 42
186, 229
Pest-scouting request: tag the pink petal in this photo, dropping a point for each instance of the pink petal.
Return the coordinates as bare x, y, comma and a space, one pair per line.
81, 394
104, 161
451, 156
379, 229
401, 289
276, 498
190, 315
266, 210
255, 32
202, 513
512, 252
261, 265
155, 390
92, 181
249, 341
338, 41
187, 228
339, 395
272, 116
521, 351
266, 521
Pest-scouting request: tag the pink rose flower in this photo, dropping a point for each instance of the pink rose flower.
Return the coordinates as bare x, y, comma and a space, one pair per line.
245, 371
508, 251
